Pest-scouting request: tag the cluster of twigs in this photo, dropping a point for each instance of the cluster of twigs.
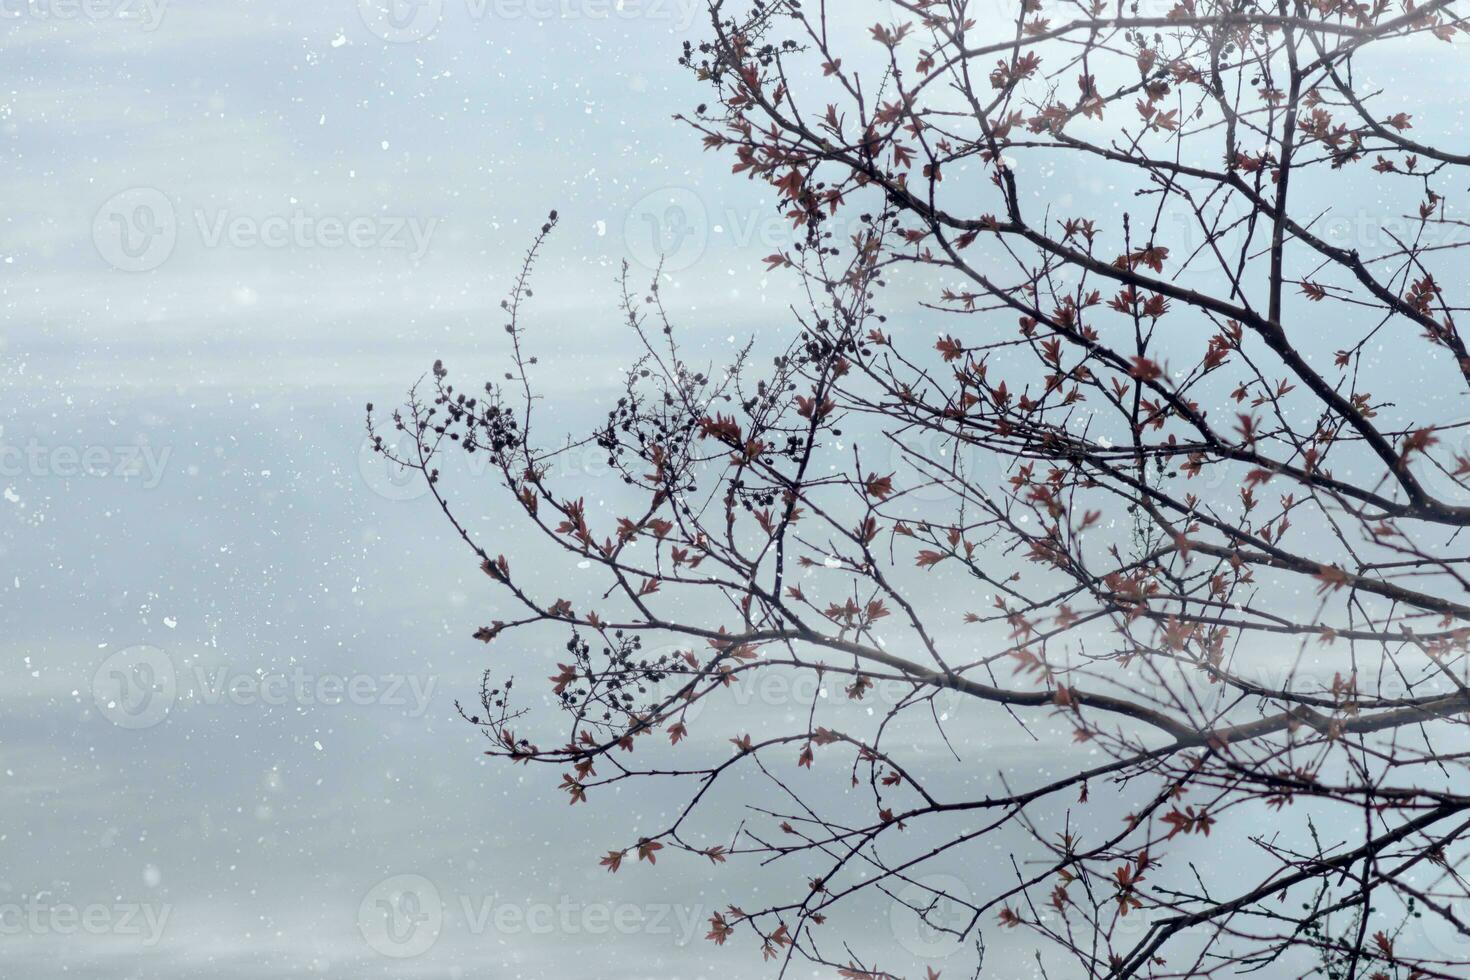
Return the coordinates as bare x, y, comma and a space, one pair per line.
1190, 526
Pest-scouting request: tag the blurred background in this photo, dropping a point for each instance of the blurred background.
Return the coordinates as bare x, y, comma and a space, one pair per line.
233, 638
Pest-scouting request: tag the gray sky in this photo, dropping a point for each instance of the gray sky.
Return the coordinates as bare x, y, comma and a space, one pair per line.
189, 337
229, 225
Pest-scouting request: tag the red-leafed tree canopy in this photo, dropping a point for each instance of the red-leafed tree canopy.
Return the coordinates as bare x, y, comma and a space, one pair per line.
1139, 596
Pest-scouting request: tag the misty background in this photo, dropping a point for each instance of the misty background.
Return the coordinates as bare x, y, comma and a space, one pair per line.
233, 638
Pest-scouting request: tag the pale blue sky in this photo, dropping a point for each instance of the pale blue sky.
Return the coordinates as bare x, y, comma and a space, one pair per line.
227, 226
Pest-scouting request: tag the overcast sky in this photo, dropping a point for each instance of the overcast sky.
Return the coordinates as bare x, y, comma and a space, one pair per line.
227, 225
